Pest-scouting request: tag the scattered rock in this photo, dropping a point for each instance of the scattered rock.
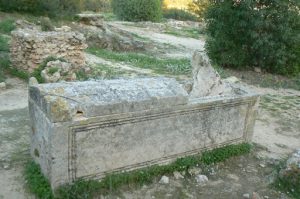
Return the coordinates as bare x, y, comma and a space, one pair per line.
207, 82
294, 160
177, 175
255, 196
257, 69
2, 86
101, 35
194, 171
6, 166
164, 180
32, 81
63, 29
232, 79
201, 179
188, 86
57, 71
246, 195
262, 165
292, 166
233, 177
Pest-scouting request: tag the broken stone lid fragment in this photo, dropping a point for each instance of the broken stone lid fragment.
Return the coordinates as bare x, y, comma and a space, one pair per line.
207, 81
62, 101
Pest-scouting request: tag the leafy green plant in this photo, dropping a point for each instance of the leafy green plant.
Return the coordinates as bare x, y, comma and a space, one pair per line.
88, 189
199, 7
179, 14
138, 10
7, 25
252, 33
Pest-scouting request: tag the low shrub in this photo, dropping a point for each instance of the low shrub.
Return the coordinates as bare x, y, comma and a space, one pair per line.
96, 5
138, 10
179, 14
248, 34
51, 8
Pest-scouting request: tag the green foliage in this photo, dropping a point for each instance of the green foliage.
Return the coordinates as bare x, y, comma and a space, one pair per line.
51, 8
97, 5
221, 154
262, 33
7, 25
161, 66
36, 182
199, 7
4, 47
91, 188
138, 10
179, 14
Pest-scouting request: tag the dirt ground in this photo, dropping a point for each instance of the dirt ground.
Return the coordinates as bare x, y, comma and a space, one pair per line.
276, 135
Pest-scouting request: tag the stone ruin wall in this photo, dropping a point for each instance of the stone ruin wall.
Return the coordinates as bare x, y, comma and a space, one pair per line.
29, 48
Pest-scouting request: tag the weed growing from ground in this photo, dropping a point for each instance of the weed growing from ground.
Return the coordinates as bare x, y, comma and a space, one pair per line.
36, 182
38, 185
288, 183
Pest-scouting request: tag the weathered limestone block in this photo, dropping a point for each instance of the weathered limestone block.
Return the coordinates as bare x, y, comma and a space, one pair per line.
30, 47
89, 129
207, 82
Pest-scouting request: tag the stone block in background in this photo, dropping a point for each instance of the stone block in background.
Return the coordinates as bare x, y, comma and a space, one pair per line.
30, 47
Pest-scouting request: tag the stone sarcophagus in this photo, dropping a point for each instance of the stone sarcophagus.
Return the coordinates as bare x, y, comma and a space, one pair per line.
89, 129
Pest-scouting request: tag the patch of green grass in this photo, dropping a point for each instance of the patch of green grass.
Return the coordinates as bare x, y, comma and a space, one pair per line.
36, 182
5, 66
53, 70
81, 75
272, 82
160, 66
221, 154
184, 32
89, 189
4, 47
106, 72
223, 73
7, 25
109, 16
2, 75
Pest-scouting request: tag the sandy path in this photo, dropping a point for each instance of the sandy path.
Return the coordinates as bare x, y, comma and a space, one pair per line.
189, 43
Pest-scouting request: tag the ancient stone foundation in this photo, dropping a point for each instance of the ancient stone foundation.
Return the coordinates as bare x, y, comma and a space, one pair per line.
90, 129
30, 47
